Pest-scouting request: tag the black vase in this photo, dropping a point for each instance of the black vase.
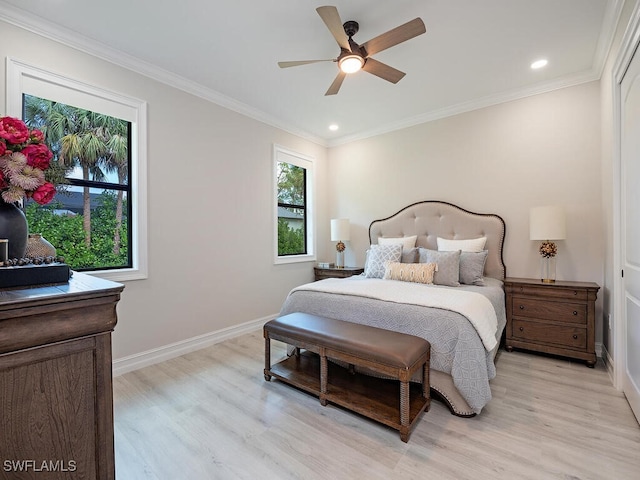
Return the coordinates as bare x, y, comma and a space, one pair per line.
13, 227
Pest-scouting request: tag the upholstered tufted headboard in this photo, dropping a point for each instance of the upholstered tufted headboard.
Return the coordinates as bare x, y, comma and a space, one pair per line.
431, 219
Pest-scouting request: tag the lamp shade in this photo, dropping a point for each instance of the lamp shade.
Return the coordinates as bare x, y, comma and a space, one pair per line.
339, 229
547, 223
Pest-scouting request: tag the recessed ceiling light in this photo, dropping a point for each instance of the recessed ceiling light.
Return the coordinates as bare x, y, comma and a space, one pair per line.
539, 64
333, 127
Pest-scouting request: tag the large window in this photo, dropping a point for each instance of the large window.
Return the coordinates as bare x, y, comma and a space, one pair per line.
88, 222
294, 200
98, 223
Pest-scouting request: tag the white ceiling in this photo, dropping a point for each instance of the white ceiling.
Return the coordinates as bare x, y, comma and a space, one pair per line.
475, 53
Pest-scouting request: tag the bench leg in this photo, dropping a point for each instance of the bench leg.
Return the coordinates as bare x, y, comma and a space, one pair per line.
267, 358
323, 378
404, 411
426, 385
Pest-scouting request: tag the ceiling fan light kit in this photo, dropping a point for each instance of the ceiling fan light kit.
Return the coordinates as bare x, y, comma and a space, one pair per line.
354, 57
351, 63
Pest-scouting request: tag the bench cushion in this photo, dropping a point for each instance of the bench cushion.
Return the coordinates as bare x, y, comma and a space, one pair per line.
376, 344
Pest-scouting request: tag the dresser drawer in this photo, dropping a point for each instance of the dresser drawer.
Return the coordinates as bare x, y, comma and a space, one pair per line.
547, 310
566, 336
542, 290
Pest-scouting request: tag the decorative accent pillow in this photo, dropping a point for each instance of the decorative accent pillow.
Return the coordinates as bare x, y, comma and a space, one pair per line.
472, 267
469, 245
406, 242
377, 256
410, 272
409, 255
448, 269
409, 252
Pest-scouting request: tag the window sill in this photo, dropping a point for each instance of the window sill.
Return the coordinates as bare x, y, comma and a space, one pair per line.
123, 275
294, 259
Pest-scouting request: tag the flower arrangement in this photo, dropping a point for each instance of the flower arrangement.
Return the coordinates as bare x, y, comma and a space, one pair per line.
24, 162
548, 249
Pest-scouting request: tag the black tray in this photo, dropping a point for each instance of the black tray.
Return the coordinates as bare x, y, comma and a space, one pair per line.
34, 275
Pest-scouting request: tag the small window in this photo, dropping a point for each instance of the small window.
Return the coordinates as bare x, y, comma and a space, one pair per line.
293, 182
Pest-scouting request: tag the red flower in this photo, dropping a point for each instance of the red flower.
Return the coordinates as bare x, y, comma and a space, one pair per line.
44, 193
37, 136
38, 155
13, 130
3, 148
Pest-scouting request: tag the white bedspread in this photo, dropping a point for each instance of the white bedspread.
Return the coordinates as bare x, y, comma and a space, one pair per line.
474, 306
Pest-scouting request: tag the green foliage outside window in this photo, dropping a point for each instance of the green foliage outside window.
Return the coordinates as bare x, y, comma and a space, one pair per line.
290, 240
96, 147
67, 233
291, 198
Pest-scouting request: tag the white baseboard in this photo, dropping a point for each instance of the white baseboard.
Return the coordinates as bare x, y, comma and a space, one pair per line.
166, 352
608, 362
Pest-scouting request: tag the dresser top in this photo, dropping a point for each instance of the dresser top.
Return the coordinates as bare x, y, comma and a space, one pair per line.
80, 286
557, 283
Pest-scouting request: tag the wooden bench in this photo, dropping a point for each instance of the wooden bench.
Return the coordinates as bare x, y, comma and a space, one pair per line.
394, 355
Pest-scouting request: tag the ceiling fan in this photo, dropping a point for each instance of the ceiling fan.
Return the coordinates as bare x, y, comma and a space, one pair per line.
354, 57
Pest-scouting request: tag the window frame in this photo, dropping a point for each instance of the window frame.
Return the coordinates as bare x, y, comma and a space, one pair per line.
23, 78
285, 155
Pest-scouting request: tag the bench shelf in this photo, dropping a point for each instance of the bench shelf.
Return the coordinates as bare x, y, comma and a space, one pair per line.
373, 397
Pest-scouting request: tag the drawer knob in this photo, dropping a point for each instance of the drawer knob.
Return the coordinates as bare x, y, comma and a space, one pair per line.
522, 329
575, 337
575, 312
575, 292
521, 307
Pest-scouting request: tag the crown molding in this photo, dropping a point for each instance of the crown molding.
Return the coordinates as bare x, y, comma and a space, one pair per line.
72, 39
20, 18
488, 101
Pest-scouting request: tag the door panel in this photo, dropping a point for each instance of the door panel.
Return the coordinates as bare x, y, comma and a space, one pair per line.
630, 171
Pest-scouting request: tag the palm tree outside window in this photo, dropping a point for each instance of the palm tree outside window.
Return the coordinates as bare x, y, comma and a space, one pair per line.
89, 221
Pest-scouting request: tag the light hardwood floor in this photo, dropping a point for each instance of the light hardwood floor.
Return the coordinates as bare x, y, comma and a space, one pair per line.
211, 415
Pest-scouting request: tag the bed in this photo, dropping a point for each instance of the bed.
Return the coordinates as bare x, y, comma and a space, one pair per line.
451, 317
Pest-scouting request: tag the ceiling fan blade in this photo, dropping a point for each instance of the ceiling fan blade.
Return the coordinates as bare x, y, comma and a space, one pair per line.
331, 18
383, 70
296, 63
337, 83
395, 36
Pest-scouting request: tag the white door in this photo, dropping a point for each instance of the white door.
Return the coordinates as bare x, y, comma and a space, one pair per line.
630, 235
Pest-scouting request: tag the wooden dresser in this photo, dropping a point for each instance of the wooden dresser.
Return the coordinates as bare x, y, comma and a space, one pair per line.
556, 318
56, 392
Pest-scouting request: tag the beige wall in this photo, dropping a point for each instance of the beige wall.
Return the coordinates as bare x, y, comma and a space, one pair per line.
210, 205
210, 247
503, 159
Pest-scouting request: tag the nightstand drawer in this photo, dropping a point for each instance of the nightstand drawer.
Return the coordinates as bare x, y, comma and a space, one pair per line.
566, 336
544, 290
548, 310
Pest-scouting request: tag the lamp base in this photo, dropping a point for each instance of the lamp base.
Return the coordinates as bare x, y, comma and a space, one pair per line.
548, 269
339, 259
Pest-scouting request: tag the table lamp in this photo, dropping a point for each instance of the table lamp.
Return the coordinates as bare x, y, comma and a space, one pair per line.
340, 234
547, 224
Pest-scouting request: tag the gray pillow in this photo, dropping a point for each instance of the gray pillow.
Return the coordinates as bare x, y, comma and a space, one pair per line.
409, 255
448, 272
378, 256
472, 267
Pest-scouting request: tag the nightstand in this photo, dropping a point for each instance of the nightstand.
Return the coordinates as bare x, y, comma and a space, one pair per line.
322, 273
556, 318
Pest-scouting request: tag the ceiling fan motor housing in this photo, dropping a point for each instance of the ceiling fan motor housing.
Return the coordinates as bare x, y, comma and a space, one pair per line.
351, 28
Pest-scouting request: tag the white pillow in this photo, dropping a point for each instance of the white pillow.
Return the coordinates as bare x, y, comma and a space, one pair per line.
470, 245
406, 242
